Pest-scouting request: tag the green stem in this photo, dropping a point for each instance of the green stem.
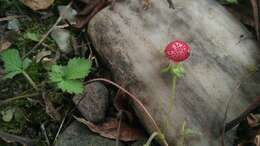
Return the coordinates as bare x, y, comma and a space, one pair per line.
182, 132
30, 80
171, 104
149, 141
174, 79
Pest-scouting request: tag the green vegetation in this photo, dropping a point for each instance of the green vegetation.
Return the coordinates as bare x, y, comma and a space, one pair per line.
68, 77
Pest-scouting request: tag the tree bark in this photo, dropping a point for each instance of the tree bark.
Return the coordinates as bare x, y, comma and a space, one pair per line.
131, 41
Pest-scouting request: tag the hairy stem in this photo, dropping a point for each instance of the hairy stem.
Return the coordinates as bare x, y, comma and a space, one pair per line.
171, 100
174, 79
30, 80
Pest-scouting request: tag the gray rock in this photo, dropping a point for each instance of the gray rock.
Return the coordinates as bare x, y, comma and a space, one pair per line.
78, 134
93, 103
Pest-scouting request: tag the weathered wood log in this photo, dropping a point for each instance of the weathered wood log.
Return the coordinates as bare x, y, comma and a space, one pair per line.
130, 40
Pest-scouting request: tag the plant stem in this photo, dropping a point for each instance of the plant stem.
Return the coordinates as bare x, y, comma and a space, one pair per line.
149, 141
171, 99
182, 134
18, 97
30, 80
174, 79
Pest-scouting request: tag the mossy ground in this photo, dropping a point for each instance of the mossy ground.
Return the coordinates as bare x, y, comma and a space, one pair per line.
30, 112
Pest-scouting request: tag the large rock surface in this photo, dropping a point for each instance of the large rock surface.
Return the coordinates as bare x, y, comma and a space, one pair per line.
130, 40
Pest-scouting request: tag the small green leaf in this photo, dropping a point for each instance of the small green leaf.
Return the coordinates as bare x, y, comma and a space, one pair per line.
11, 74
26, 63
77, 68
57, 73
7, 115
191, 132
166, 69
68, 77
71, 86
12, 60
178, 71
32, 36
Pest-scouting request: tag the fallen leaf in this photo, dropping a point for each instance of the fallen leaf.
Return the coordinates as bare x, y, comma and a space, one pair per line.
109, 130
253, 120
42, 55
37, 4
4, 44
50, 110
257, 140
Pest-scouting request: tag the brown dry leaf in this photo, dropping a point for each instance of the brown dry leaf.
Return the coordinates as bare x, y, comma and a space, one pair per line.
4, 44
257, 140
37, 4
109, 130
50, 110
42, 55
253, 120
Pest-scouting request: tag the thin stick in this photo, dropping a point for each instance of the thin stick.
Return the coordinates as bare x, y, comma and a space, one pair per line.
18, 97
51, 29
45, 134
59, 130
149, 141
30, 80
119, 128
10, 18
136, 100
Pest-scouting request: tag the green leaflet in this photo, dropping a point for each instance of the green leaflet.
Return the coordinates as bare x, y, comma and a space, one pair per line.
13, 64
68, 78
71, 86
77, 68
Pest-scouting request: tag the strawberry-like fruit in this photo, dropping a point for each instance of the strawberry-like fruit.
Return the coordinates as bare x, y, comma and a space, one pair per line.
177, 51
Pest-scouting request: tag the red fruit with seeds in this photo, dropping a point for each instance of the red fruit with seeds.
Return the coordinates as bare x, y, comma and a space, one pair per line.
177, 51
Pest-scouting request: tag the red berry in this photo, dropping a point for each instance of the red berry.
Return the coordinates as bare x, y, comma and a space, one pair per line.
177, 51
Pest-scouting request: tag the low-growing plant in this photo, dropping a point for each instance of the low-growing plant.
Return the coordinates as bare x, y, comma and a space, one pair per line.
176, 51
14, 65
69, 78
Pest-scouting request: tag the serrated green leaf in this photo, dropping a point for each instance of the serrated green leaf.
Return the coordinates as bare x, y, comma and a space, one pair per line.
26, 63
71, 86
77, 68
12, 60
57, 73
